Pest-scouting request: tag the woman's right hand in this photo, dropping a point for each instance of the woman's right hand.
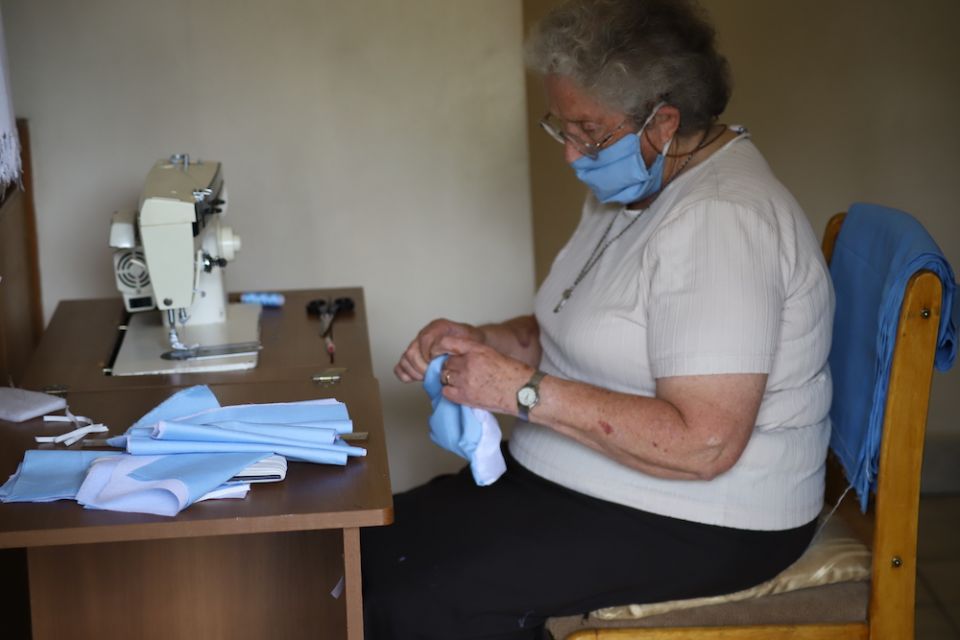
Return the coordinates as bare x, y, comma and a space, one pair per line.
413, 363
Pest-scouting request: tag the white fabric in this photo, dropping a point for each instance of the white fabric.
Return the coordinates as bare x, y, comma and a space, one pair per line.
19, 405
470, 432
234, 491
108, 485
722, 274
72, 437
112, 484
9, 143
487, 464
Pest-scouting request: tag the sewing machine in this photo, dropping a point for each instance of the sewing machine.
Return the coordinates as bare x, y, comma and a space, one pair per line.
169, 260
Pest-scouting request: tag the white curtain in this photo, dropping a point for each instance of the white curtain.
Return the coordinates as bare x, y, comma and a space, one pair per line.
9, 144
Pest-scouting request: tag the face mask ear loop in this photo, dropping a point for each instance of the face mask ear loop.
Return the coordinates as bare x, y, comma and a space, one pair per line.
643, 130
666, 147
652, 114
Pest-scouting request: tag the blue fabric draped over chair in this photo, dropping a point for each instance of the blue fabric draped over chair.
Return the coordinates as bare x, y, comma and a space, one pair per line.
876, 253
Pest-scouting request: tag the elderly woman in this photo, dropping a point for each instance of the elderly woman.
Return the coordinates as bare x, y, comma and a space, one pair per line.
672, 384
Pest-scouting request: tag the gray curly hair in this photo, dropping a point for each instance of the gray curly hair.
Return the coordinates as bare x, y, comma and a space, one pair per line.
632, 54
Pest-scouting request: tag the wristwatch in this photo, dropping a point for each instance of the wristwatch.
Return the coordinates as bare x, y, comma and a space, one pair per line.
529, 396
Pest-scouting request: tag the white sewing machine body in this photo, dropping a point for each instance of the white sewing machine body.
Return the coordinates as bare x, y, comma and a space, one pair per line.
169, 256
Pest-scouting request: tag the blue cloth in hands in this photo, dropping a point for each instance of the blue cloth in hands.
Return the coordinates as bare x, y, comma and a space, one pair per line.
471, 433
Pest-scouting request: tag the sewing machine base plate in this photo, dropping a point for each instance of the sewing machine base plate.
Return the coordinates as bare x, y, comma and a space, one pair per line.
145, 339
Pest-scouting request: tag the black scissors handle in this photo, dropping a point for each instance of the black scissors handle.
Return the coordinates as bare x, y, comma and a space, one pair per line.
321, 305
327, 311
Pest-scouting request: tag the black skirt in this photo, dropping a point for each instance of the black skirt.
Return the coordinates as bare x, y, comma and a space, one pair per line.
462, 561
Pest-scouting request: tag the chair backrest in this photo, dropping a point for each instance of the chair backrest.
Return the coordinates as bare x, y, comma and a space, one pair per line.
890, 524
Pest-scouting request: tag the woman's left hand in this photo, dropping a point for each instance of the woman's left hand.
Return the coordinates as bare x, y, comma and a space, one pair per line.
477, 375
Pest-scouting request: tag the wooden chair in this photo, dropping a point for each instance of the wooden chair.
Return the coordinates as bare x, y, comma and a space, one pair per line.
889, 527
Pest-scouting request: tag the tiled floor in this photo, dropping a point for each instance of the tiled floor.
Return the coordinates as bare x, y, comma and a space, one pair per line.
938, 568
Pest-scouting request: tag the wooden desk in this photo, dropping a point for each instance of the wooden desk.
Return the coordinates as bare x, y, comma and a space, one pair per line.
82, 334
256, 568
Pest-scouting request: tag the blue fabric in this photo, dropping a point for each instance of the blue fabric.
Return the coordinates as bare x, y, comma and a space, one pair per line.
876, 253
274, 413
211, 443
310, 433
471, 433
185, 402
161, 485
45, 476
200, 472
198, 405
266, 434
452, 426
268, 428
319, 454
182, 403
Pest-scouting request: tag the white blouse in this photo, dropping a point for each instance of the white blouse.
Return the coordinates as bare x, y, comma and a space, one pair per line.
722, 274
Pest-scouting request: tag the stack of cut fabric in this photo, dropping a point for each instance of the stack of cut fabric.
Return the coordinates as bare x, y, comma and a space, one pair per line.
194, 422
185, 450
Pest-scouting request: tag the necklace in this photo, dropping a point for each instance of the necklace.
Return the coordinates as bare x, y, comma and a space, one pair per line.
595, 255
603, 243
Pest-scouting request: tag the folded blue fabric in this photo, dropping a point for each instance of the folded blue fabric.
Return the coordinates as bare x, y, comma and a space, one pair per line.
309, 432
264, 434
45, 476
186, 402
308, 412
471, 433
877, 251
160, 485
197, 405
320, 454
211, 445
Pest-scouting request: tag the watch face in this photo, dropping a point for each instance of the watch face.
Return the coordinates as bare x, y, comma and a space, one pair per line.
527, 396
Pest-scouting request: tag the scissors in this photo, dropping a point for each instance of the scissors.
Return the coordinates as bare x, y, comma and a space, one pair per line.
327, 311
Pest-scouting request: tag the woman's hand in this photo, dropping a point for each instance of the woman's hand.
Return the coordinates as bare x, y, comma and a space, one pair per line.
478, 375
413, 363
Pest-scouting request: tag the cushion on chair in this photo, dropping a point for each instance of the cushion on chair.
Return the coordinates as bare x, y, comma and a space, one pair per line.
834, 603
834, 556
827, 583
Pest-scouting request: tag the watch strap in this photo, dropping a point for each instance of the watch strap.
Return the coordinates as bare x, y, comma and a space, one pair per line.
523, 411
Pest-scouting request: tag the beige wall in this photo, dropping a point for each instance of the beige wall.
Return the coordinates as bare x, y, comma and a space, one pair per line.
371, 143
849, 101
857, 101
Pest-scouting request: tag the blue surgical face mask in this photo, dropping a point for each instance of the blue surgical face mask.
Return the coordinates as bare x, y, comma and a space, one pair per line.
619, 173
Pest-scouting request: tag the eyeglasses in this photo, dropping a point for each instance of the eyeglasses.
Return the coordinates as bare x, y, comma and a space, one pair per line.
591, 149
